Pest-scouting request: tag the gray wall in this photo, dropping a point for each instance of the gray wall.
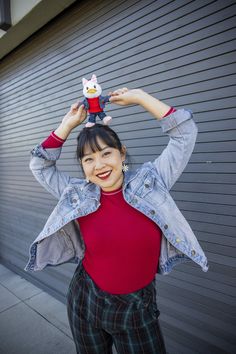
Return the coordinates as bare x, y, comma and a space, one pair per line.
179, 51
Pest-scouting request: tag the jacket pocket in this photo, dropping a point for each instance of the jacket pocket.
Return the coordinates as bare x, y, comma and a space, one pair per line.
151, 190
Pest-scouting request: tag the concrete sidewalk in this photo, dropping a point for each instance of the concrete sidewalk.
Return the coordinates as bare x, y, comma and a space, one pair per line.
31, 321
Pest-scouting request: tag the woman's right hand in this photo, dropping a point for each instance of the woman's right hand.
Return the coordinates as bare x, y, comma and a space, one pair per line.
125, 97
72, 119
76, 115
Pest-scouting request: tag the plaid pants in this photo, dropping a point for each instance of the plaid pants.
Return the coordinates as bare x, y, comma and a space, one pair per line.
98, 319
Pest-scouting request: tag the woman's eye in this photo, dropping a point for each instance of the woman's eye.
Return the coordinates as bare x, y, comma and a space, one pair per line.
107, 153
88, 159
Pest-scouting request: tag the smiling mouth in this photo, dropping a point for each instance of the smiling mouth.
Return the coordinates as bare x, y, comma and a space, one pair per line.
104, 175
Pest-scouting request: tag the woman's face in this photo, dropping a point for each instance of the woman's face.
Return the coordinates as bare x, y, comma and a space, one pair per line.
104, 168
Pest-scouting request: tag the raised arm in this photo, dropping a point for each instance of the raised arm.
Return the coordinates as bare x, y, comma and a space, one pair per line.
43, 160
182, 132
179, 126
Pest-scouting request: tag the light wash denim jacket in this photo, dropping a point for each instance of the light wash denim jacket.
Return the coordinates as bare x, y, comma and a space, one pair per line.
146, 189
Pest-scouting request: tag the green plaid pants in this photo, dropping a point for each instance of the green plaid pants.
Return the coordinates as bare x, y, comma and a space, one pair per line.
98, 319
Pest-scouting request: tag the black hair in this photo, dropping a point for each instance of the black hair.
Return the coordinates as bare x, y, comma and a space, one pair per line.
89, 137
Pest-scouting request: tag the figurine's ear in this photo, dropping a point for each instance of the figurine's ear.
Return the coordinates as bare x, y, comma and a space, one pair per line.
84, 81
94, 78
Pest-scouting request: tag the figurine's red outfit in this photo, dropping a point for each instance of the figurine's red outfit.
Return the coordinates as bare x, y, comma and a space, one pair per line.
94, 106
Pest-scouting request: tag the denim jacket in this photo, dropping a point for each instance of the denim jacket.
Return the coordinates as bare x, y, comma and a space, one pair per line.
146, 189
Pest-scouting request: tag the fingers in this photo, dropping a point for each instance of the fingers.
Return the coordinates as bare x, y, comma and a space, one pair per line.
115, 98
81, 107
119, 91
76, 107
73, 107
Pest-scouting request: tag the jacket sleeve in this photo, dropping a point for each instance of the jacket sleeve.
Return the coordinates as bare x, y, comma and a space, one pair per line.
103, 100
182, 132
43, 166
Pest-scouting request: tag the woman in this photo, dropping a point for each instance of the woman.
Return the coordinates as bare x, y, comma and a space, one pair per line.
121, 227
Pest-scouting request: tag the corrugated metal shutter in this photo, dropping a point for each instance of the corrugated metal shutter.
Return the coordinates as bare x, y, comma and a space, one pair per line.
182, 52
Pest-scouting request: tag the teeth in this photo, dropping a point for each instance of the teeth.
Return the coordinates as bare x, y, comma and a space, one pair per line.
104, 174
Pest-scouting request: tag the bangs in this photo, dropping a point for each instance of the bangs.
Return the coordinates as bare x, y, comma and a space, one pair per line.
90, 136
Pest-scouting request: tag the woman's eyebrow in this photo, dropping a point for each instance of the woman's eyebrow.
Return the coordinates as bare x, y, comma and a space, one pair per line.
90, 153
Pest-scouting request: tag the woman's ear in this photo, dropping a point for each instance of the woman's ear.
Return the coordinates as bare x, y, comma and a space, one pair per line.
81, 165
123, 152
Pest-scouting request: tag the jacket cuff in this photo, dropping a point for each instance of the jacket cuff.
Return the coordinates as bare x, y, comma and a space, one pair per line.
175, 119
51, 154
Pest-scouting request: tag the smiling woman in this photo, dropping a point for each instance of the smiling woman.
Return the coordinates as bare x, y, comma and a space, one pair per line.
101, 155
129, 227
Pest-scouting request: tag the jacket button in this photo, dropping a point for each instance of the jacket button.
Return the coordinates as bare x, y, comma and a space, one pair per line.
74, 200
193, 252
178, 240
165, 227
153, 212
135, 200
146, 185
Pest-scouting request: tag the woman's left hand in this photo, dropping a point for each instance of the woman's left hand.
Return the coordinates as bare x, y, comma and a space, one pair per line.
126, 97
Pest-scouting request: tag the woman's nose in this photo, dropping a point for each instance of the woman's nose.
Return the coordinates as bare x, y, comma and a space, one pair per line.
99, 164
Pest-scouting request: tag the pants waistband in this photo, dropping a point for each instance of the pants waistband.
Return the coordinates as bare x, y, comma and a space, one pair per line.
103, 294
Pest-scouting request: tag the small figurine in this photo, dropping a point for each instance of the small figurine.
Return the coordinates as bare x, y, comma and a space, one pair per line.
94, 102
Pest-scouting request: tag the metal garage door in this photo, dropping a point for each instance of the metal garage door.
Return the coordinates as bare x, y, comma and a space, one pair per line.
182, 52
